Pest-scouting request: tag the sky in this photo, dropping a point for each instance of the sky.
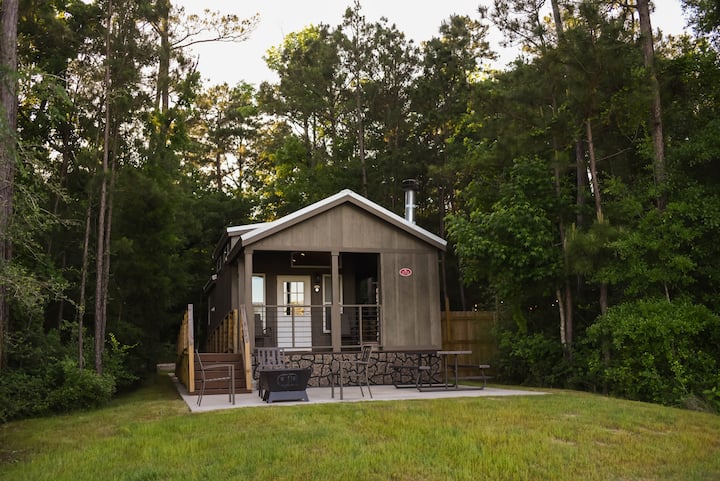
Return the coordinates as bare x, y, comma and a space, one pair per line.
418, 19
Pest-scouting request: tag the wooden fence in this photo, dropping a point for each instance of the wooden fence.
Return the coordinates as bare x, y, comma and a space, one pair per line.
470, 331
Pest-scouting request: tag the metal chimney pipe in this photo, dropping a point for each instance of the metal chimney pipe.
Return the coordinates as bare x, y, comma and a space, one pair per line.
411, 187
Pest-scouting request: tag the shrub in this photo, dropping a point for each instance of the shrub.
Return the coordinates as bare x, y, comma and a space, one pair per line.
79, 388
531, 359
657, 351
22, 395
115, 363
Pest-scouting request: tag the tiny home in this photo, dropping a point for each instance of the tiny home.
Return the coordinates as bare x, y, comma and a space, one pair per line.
330, 277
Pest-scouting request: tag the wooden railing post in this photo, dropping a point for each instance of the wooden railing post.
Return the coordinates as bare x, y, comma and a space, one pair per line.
235, 334
245, 345
190, 349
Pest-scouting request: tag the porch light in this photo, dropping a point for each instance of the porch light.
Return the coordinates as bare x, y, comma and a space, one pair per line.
316, 286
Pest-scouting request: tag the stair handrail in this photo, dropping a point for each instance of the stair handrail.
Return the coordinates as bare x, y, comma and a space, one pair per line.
244, 341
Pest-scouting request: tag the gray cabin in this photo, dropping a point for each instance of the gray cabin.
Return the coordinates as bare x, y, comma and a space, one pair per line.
331, 277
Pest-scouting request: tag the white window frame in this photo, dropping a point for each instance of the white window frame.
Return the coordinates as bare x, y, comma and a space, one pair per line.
259, 306
327, 300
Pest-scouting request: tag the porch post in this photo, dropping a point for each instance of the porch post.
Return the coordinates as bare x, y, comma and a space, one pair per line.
336, 322
246, 296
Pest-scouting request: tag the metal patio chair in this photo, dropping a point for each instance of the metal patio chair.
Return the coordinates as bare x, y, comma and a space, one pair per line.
361, 367
268, 358
216, 372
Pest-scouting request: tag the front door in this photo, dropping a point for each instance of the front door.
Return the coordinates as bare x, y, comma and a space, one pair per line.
294, 324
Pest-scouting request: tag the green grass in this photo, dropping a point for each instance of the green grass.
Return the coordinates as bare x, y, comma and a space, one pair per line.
150, 435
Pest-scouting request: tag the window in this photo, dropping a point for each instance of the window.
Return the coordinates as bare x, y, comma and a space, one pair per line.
294, 293
327, 302
258, 301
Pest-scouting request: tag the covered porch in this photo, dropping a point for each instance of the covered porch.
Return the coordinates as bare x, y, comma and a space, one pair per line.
314, 300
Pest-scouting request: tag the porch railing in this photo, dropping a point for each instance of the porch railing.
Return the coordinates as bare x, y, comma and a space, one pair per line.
309, 327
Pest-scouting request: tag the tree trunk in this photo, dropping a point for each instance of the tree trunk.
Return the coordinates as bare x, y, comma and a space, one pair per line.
106, 249
218, 171
593, 171
8, 152
361, 136
598, 204
565, 306
360, 123
558, 19
581, 179
162, 96
83, 280
100, 320
656, 109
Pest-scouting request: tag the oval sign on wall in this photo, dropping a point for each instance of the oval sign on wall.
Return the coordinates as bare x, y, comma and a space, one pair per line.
405, 272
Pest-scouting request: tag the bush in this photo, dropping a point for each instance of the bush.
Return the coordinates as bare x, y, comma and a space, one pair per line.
22, 395
657, 351
79, 388
115, 363
531, 359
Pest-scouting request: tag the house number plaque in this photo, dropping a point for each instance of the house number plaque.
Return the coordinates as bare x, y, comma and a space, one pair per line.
405, 272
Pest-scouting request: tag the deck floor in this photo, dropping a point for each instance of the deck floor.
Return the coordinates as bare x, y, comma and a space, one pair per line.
319, 395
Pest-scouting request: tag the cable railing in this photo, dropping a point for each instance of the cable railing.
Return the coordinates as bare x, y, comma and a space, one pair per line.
309, 327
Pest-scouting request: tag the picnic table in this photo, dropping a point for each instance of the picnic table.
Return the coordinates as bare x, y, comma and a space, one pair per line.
481, 376
451, 367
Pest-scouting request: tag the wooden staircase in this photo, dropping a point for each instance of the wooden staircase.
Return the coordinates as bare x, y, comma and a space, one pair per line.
221, 387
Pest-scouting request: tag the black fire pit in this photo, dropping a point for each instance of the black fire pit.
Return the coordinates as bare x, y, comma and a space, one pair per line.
287, 384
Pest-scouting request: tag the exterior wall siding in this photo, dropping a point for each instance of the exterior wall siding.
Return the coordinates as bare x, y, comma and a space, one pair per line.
345, 228
411, 304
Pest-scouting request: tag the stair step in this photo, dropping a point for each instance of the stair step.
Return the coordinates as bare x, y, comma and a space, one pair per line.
220, 387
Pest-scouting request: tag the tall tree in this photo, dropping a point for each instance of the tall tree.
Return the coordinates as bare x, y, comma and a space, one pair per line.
8, 153
441, 97
177, 31
358, 60
309, 94
103, 223
224, 124
656, 126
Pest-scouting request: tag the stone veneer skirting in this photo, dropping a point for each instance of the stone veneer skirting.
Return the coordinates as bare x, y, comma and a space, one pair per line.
381, 369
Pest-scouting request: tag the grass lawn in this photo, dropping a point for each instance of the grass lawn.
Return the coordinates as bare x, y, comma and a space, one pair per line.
150, 435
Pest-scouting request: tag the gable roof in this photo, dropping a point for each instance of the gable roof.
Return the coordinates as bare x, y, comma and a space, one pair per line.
253, 233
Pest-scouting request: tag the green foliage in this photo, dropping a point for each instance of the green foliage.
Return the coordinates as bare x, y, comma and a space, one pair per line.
22, 395
115, 363
656, 351
512, 244
666, 253
531, 359
44, 376
77, 389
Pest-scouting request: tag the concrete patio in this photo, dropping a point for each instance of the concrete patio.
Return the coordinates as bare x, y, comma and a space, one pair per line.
318, 395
